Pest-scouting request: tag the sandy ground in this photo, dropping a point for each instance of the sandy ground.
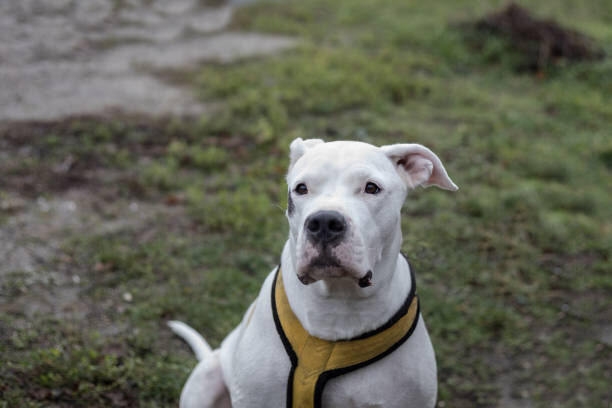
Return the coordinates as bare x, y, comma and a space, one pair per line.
67, 57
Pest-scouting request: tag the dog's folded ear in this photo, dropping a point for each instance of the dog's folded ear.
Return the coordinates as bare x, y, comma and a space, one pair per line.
418, 166
299, 146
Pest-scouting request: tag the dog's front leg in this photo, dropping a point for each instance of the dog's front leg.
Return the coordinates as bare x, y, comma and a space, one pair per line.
205, 387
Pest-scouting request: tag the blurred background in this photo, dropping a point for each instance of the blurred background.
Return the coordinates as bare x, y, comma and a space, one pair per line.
143, 145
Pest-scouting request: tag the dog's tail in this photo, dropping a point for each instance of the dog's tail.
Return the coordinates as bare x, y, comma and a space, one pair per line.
197, 343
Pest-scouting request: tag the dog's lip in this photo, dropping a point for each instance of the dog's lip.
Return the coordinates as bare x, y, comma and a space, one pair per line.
365, 280
306, 279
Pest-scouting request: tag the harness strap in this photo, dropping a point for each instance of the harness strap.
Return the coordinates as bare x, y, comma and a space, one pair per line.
314, 361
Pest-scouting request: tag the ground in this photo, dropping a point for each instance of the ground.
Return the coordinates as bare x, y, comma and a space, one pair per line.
113, 222
97, 55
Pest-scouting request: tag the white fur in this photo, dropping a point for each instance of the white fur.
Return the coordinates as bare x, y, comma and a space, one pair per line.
252, 366
197, 343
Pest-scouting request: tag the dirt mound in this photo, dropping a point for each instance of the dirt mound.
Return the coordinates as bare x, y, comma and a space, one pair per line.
541, 42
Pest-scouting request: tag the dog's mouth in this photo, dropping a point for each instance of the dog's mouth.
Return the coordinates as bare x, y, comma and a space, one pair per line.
327, 266
365, 280
348, 259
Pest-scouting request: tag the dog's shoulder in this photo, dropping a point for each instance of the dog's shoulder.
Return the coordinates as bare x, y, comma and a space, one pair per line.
253, 358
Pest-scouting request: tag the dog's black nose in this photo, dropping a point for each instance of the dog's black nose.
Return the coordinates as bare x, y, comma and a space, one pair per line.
325, 226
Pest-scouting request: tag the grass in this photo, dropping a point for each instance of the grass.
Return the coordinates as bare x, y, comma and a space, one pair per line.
514, 269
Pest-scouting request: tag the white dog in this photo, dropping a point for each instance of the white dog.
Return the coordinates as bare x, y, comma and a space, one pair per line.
338, 323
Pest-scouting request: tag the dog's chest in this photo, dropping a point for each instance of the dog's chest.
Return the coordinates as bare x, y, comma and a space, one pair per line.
261, 376
390, 382
256, 369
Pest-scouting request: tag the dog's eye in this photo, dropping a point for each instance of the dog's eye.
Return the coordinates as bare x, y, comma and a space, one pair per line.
372, 188
301, 189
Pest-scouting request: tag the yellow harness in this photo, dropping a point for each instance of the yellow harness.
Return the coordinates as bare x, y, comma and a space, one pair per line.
314, 361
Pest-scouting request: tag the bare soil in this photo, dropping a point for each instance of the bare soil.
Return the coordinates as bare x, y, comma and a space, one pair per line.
72, 57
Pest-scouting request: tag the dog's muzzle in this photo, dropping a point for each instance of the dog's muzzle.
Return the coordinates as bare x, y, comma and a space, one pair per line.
326, 233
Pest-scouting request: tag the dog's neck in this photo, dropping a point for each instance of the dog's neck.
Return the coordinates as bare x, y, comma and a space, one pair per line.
338, 308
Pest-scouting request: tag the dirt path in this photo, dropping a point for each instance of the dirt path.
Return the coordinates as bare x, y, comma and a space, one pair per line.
72, 57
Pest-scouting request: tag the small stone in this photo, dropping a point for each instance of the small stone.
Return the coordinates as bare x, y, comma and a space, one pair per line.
71, 205
127, 296
605, 335
43, 204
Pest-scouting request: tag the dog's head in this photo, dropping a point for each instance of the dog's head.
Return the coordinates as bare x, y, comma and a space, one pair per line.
345, 200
